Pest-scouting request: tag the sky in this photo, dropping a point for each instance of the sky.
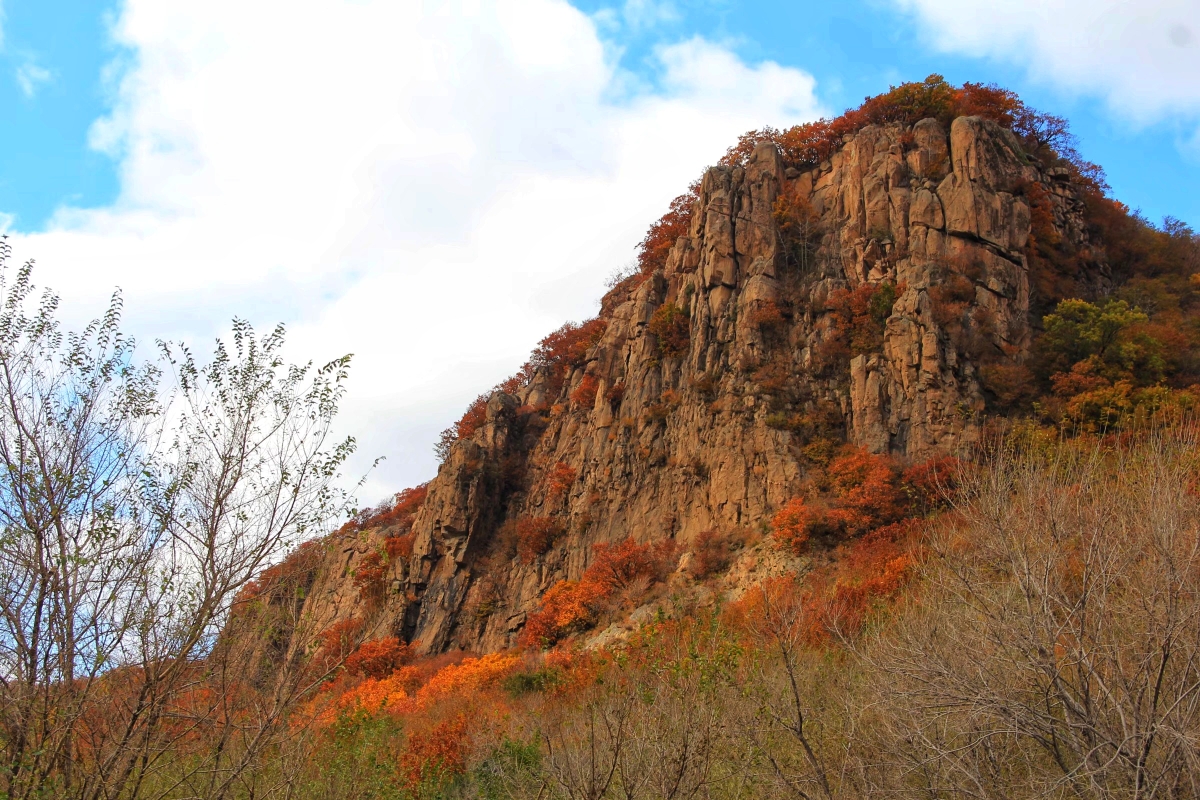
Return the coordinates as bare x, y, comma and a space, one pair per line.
434, 186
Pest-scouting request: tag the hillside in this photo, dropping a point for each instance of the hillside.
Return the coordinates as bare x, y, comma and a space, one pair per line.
892, 281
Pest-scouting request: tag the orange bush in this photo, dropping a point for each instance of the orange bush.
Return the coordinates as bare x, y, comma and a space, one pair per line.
859, 317
369, 576
378, 658
584, 395
435, 757
565, 608
868, 492
572, 606
560, 480
671, 325
399, 547
535, 535
653, 249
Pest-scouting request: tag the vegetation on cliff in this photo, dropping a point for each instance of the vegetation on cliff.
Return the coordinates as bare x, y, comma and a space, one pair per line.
874, 478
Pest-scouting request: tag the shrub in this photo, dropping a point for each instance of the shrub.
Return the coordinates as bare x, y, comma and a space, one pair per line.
799, 227
711, 553
535, 535
584, 395
859, 317
663, 233
369, 576
671, 325
399, 547
435, 758
615, 394
560, 480
293, 574
572, 606
378, 658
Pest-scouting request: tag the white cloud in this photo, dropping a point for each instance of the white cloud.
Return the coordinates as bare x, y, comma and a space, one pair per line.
1142, 57
30, 76
640, 14
432, 187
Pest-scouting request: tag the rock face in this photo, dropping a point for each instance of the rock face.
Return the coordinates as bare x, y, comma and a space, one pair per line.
720, 435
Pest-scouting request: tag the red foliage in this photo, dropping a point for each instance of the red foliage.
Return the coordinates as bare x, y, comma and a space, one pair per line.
399, 547
378, 658
711, 553
400, 512
931, 483
437, 756
571, 606
369, 576
617, 566
859, 316
653, 250
337, 642
868, 492
811, 143
615, 394
560, 480
584, 395
535, 535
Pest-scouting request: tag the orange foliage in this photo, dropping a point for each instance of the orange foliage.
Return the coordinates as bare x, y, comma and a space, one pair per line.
437, 756
811, 143
535, 535
560, 480
570, 606
653, 249
837, 598
466, 677
399, 547
369, 576
868, 492
585, 393
378, 658
673, 328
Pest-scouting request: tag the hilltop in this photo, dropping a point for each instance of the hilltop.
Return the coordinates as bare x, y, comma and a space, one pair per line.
890, 285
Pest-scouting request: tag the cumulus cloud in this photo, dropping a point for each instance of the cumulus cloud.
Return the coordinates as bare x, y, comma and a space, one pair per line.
1142, 57
432, 187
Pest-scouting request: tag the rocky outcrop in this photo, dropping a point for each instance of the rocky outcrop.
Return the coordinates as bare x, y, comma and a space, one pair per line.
720, 435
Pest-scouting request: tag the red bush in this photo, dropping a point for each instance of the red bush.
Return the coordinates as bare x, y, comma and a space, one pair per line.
711, 553
571, 606
535, 535
399, 547
378, 658
294, 572
369, 576
584, 395
653, 249
431, 759
559, 481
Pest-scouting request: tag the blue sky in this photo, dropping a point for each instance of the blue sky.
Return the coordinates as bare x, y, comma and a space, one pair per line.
434, 186
60, 61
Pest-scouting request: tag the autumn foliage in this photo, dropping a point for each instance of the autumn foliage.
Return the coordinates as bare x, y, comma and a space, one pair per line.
866, 493
673, 328
572, 606
535, 536
653, 249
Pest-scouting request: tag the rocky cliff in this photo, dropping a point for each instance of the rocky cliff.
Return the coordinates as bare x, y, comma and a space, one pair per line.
879, 298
